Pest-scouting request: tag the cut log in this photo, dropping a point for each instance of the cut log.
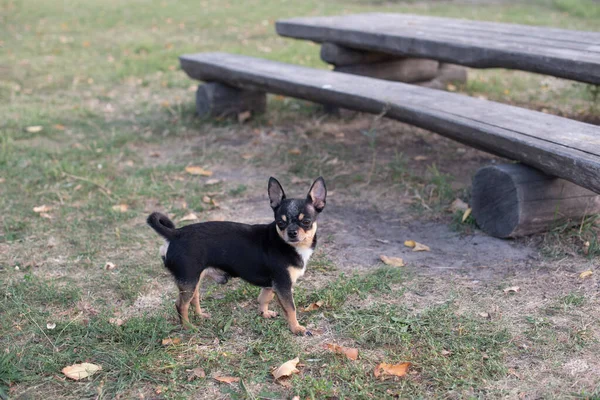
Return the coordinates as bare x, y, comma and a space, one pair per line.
512, 200
558, 146
403, 70
220, 100
341, 56
447, 73
559, 52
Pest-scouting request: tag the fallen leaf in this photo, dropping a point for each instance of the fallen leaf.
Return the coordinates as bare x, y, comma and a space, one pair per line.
484, 315
349, 352
512, 289
50, 325
227, 379
206, 199
189, 217
446, 353
586, 274
458, 205
466, 214
416, 246
116, 321
586, 248
155, 154
451, 87
393, 261
120, 207
59, 127
34, 129
213, 181
170, 341
314, 306
160, 389
80, 371
244, 116
109, 266
246, 156
286, 369
42, 209
194, 170
420, 158
384, 369
196, 373
295, 151
46, 215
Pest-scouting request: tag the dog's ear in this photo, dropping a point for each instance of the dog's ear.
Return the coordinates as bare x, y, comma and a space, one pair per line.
317, 194
276, 193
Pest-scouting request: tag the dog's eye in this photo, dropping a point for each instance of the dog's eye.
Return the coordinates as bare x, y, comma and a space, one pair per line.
281, 224
306, 223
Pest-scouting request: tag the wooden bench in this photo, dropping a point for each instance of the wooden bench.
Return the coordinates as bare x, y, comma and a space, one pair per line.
558, 52
508, 203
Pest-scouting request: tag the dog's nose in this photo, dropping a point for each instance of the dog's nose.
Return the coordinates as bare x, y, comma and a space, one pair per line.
292, 234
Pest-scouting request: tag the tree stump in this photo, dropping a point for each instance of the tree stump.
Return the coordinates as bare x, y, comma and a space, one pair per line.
219, 100
512, 200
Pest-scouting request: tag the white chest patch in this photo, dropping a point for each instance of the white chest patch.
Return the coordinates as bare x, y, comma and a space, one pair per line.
305, 253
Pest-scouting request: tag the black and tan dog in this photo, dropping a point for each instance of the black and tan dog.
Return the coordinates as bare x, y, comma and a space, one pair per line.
271, 256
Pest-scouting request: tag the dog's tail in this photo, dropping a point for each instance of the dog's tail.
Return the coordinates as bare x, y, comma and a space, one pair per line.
162, 225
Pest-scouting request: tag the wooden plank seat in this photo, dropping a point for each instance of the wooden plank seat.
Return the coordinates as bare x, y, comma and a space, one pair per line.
558, 52
557, 146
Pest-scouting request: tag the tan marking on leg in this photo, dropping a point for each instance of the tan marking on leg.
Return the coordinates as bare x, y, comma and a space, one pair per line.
295, 273
264, 298
290, 316
186, 293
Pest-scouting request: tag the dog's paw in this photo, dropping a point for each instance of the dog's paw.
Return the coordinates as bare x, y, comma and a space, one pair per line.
269, 314
301, 331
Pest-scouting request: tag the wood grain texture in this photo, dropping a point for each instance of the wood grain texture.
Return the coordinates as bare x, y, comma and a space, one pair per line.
558, 146
558, 52
512, 200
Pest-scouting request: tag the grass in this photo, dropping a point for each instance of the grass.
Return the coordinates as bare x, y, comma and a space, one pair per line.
117, 131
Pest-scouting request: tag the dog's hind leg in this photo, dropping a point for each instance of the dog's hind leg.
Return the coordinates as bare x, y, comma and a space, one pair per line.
186, 293
286, 300
196, 297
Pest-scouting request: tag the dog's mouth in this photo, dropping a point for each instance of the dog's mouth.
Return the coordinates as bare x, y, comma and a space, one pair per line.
293, 240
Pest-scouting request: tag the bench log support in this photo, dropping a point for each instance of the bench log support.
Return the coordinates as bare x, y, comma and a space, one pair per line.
512, 200
422, 71
219, 100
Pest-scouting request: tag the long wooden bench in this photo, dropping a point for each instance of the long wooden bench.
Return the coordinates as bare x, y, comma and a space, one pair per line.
558, 52
557, 146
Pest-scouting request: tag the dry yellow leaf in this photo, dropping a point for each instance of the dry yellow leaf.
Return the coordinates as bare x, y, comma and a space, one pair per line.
120, 207
116, 321
206, 199
466, 214
59, 127
586, 274
42, 209
295, 151
46, 215
195, 170
227, 379
314, 306
34, 129
512, 289
393, 261
586, 248
80, 371
451, 87
212, 181
109, 266
384, 369
189, 217
171, 341
50, 325
349, 352
420, 158
416, 246
286, 369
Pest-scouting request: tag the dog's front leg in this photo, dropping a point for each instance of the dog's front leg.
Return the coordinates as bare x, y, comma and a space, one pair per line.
264, 298
286, 300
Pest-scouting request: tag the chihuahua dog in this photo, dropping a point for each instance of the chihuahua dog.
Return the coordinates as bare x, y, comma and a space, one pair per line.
270, 256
